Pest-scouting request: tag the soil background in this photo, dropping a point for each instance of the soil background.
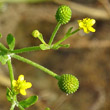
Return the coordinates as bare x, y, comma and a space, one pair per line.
88, 57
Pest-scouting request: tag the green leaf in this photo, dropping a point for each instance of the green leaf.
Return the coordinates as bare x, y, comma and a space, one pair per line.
9, 95
11, 41
3, 48
47, 108
29, 101
69, 31
0, 35
44, 47
4, 58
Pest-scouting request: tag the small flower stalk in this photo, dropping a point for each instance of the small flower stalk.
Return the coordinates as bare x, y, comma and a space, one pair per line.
21, 85
86, 24
38, 35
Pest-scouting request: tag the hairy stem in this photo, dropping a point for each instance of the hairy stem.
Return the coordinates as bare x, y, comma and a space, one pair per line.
36, 65
27, 49
11, 79
10, 72
65, 37
54, 33
12, 106
20, 107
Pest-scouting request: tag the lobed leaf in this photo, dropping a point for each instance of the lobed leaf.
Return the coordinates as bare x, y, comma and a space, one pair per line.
11, 41
4, 58
9, 95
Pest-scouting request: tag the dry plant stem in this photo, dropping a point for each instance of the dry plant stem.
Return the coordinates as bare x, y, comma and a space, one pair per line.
106, 4
76, 8
90, 44
36, 65
24, 1
84, 10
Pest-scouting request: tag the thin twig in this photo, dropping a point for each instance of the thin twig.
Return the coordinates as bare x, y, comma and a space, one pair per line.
99, 103
23, 1
106, 5
90, 44
84, 10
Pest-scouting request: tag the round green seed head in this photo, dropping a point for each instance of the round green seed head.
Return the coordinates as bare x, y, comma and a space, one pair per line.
68, 83
63, 14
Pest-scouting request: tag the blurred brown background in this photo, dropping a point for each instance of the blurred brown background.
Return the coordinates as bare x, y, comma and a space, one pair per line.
88, 57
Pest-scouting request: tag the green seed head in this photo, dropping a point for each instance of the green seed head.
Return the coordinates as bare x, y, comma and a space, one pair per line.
68, 83
63, 14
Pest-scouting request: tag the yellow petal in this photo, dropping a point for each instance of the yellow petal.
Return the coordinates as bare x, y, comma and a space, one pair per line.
28, 85
81, 24
93, 21
86, 30
14, 82
22, 91
21, 78
91, 29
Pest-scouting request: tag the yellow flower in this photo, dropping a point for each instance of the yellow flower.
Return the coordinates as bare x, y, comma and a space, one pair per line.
21, 85
86, 24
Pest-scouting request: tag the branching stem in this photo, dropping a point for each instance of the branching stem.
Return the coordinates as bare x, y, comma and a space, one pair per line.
36, 65
27, 49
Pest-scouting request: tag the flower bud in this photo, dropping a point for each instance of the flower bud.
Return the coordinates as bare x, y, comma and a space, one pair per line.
36, 33
63, 14
68, 83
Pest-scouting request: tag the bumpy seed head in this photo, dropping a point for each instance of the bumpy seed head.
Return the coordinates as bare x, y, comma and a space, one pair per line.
63, 14
68, 83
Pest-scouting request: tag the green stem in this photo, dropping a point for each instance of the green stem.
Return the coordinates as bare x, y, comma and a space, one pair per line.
27, 49
42, 40
36, 65
10, 72
11, 79
13, 106
24, 1
66, 37
54, 33
20, 107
